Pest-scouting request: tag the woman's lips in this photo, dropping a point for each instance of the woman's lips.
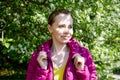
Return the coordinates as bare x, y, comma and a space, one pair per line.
66, 37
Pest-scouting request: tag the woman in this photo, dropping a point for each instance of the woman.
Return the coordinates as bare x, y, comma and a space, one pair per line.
61, 58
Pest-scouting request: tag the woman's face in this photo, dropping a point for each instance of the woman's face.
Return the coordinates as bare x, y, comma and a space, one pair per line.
62, 28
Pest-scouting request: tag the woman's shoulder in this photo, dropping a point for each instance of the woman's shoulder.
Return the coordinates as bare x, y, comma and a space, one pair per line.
84, 51
43, 46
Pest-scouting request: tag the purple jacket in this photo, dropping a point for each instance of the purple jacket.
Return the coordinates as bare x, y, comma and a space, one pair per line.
35, 72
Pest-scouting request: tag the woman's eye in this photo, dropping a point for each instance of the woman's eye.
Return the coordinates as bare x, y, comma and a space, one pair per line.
61, 26
70, 27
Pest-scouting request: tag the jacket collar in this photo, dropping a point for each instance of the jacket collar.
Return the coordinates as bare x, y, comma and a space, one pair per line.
73, 44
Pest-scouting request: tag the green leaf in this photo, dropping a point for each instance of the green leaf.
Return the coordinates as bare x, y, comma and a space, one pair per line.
1, 39
7, 45
10, 40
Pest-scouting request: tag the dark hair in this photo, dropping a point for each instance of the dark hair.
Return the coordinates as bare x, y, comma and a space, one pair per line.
55, 13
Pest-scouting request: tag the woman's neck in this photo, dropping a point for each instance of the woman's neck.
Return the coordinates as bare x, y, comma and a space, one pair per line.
58, 48
59, 54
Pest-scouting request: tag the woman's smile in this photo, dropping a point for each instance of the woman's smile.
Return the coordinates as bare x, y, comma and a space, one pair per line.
66, 37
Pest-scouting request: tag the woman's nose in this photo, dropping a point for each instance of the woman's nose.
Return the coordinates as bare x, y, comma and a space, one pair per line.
66, 30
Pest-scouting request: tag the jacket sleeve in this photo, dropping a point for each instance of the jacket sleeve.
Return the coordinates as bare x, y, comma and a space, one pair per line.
83, 74
31, 67
91, 66
34, 72
89, 72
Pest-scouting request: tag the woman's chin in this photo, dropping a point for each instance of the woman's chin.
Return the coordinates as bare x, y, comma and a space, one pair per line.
65, 41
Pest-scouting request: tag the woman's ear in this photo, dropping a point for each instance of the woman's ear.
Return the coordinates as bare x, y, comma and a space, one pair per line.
50, 28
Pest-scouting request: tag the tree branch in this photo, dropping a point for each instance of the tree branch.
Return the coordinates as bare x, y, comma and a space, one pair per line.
2, 28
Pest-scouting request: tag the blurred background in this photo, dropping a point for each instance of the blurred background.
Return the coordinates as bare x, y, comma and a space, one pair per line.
23, 27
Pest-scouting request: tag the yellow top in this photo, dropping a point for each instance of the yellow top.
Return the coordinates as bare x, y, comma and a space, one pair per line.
58, 73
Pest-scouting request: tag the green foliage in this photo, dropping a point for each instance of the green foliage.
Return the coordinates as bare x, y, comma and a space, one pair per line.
23, 27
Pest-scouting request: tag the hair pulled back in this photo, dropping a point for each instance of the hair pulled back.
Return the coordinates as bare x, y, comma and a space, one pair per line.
52, 16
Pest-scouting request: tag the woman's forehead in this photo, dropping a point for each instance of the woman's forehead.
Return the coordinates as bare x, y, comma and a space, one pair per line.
63, 18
